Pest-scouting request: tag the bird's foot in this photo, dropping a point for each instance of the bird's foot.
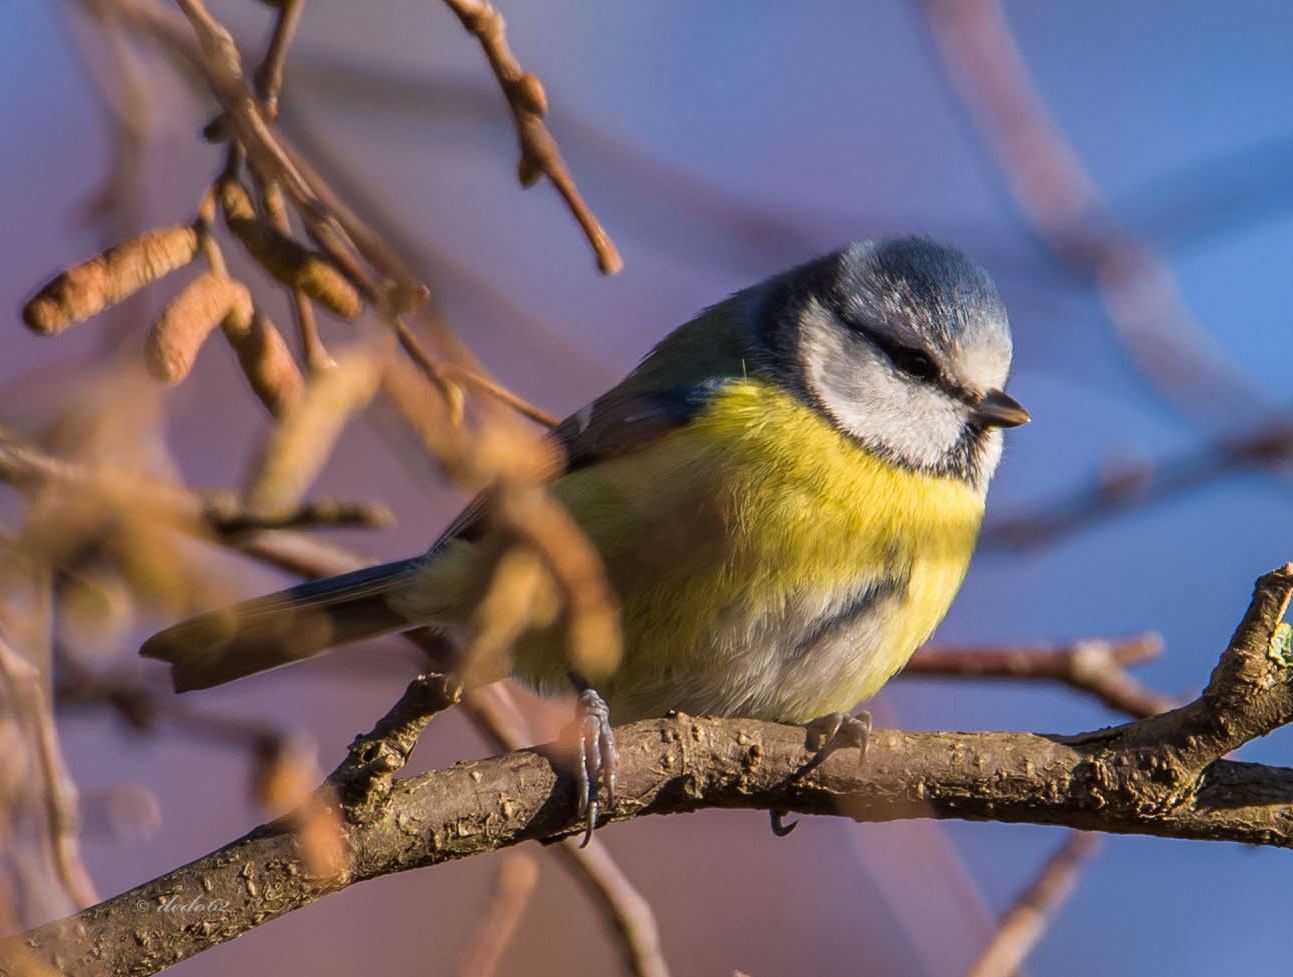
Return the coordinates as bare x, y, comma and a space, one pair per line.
826, 734
595, 767
834, 731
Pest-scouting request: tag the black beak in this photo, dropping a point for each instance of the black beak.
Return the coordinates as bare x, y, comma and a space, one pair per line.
997, 409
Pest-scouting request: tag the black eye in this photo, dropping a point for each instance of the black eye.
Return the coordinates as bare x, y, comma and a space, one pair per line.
914, 363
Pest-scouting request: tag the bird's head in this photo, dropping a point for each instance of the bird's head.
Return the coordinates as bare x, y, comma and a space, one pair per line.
903, 345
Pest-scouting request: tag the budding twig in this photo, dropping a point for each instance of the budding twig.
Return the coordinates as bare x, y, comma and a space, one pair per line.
289, 261
528, 103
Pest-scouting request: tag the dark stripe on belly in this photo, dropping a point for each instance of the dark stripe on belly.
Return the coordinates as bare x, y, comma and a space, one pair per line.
861, 603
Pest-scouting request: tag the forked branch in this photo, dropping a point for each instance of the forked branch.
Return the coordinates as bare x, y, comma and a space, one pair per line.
1163, 776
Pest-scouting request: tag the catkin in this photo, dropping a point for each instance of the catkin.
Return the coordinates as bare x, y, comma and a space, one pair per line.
87, 289
179, 332
286, 259
302, 440
266, 361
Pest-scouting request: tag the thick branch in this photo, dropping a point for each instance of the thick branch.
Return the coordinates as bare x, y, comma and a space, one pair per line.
1159, 776
668, 766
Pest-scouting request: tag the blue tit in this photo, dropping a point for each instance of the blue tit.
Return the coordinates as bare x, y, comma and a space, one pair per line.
785, 495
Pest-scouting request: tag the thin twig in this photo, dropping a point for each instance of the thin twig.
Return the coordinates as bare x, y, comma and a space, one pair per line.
269, 76
1096, 667
517, 876
470, 378
225, 514
1025, 921
219, 512
444, 373
312, 349
27, 699
269, 83
1061, 202
1136, 486
527, 103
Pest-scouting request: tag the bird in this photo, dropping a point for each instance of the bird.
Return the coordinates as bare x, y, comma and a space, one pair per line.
785, 494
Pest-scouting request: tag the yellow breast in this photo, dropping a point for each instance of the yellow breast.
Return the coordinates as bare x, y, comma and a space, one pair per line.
734, 540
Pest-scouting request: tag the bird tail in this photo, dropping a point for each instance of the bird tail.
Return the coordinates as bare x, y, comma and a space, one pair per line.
296, 623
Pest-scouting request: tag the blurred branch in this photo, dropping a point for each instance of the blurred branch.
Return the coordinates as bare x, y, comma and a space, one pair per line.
1061, 202
528, 103
220, 513
144, 709
1025, 921
269, 76
1137, 486
28, 700
494, 711
512, 891
123, 90
629, 911
330, 222
1162, 776
1097, 667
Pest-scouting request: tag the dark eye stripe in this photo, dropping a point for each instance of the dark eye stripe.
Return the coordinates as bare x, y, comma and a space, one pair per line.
909, 360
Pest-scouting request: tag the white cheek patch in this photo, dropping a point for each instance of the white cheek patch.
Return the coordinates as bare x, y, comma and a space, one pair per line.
916, 422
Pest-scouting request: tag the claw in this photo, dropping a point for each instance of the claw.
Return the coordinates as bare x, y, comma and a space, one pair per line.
596, 767
825, 735
779, 826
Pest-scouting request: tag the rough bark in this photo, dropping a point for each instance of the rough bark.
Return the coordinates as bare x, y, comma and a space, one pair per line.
1162, 776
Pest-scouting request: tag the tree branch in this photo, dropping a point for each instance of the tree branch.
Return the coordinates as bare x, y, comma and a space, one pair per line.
1267, 444
221, 512
1025, 921
1061, 202
1162, 776
528, 104
1097, 667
